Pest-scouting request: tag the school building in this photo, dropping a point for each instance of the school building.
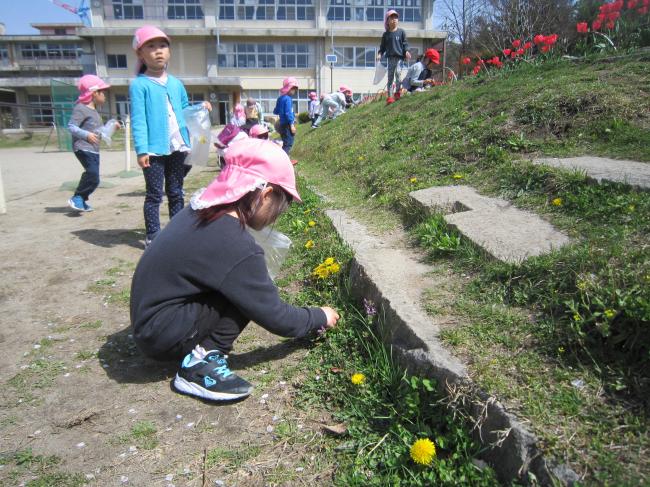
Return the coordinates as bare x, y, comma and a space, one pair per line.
224, 51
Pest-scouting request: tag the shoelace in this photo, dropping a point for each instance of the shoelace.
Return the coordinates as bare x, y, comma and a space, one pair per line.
222, 369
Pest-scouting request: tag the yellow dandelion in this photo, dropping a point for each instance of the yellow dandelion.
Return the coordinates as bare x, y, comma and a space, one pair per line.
311, 223
610, 313
557, 202
576, 317
560, 349
458, 176
328, 261
334, 268
423, 451
309, 244
414, 180
358, 379
321, 272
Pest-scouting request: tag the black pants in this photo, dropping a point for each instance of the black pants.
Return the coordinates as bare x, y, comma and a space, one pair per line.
217, 326
90, 177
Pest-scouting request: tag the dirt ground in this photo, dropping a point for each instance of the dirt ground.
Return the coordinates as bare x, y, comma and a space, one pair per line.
75, 388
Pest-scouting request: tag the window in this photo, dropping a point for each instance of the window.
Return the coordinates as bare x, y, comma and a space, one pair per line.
41, 109
195, 97
267, 99
48, 51
373, 10
355, 57
266, 10
128, 9
4, 55
121, 106
59, 32
116, 61
250, 55
295, 56
184, 9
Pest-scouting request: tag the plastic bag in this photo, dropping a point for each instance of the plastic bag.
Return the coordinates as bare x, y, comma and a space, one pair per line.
275, 245
197, 119
106, 132
380, 72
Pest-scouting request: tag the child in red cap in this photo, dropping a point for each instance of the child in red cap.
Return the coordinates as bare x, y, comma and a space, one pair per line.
204, 278
84, 126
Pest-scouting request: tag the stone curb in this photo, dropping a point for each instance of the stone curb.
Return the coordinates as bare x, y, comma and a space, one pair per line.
390, 276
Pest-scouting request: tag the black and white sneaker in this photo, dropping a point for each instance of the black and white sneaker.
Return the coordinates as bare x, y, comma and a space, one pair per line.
206, 375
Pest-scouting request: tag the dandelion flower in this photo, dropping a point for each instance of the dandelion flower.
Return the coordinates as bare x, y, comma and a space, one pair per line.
458, 176
311, 223
557, 202
334, 268
414, 180
610, 313
576, 317
560, 349
309, 244
328, 261
358, 379
423, 451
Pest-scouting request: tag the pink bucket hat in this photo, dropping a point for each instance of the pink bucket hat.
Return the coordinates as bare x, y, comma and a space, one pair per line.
312, 95
257, 130
250, 164
345, 89
87, 85
143, 35
287, 84
388, 14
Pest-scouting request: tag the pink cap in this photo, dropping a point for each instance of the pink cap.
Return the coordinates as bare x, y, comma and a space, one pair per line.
250, 164
87, 85
312, 95
345, 89
238, 112
287, 84
257, 130
145, 34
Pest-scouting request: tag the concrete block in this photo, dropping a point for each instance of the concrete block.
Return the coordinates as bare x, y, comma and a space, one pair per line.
599, 169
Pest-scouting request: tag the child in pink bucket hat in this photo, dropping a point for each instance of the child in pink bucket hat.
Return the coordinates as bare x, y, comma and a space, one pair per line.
395, 46
284, 109
160, 134
313, 106
211, 277
84, 125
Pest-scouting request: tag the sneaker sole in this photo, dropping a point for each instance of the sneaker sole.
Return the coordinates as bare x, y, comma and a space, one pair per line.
193, 389
71, 205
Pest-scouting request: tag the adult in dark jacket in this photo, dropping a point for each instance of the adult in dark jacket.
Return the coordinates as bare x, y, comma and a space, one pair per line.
204, 278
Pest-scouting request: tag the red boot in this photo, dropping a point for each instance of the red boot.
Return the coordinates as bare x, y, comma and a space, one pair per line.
390, 100
398, 95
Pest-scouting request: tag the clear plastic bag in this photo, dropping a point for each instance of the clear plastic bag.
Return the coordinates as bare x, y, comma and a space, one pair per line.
106, 132
197, 119
380, 72
275, 245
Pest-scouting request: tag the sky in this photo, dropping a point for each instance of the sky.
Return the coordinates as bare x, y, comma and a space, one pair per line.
18, 14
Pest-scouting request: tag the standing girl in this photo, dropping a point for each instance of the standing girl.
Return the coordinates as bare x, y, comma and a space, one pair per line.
84, 126
314, 106
284, 108
202, 281
395, 46
159, 131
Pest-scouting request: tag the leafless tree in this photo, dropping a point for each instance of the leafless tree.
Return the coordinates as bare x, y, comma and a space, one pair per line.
461, 20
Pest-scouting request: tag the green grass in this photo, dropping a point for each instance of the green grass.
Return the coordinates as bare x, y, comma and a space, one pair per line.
229, 460
36, 470
40, 374
142, 435
579, 313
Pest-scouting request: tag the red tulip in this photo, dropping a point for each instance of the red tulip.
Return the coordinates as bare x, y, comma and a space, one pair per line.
506, 52
601, 17
545, 48
610, 25
631, 4
582, 27
476, 69
520, 52
551, 39
538, 39
528, 45
465, 61
496, 61
596, 25
516, 43
612, 16
513, 54
643, 10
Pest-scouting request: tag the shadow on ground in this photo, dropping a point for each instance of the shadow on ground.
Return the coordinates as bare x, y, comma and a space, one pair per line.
139, 194
110, 238
63, 209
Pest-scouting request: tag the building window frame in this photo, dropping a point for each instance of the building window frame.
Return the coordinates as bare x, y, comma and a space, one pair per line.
291, 10
128, 9
48, 50
184, 9
116, 61
373, 10
40, 111
248, 55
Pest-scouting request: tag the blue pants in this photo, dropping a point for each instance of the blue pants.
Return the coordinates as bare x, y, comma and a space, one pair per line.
90, 177
287, 138
168, 169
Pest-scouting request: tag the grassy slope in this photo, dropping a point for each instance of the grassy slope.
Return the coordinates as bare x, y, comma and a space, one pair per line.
480, 132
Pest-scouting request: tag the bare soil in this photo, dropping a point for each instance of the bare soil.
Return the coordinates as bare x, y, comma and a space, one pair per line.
75, 387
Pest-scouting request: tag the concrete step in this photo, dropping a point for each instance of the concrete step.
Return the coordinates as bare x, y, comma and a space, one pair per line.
393, 276
493, 224
599, 169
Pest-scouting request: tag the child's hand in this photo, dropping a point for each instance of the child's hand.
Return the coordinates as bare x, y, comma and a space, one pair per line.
207, 105
332, 316
93, 139
408, 55
143, 161
293, 129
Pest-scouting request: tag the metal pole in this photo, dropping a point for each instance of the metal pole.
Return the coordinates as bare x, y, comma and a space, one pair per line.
127, 143
332, 64
3, 205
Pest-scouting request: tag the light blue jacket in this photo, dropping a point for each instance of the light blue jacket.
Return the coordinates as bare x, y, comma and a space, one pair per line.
149, 113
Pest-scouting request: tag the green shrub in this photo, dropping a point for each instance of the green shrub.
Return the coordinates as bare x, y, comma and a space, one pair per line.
303, 117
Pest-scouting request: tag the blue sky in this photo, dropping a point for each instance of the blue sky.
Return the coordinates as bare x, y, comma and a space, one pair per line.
18, 14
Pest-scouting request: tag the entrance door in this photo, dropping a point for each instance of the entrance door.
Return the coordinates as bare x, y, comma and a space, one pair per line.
223, 107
